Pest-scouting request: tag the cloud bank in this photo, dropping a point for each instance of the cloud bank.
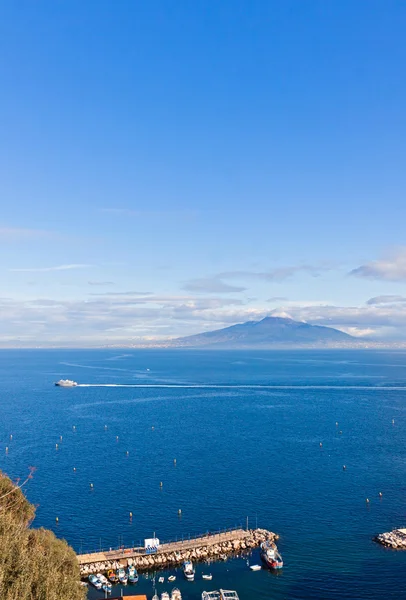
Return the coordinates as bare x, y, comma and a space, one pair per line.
392, 268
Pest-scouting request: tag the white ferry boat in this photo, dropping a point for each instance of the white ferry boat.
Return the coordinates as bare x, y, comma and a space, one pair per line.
66, 383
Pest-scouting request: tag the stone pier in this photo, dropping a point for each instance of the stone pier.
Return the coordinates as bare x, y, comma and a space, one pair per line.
208, 547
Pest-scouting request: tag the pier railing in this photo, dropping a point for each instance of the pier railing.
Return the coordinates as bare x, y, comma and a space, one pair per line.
137, 546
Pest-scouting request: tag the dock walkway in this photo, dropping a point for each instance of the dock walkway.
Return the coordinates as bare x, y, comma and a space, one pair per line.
180, 546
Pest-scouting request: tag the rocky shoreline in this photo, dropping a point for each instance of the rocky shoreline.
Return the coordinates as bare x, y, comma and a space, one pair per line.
208, 550
393, 539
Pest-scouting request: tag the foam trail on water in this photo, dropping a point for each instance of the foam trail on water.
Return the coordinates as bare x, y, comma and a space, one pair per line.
238, 386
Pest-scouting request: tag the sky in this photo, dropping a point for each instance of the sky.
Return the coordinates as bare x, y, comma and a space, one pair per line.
168, 168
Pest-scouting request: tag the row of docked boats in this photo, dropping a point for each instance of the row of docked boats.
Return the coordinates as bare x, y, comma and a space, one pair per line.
175, 595
120, 576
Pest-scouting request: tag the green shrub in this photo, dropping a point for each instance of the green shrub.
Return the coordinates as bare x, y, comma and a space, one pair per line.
34, 564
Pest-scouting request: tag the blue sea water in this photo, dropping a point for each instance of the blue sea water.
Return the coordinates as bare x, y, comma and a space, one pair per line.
245, 429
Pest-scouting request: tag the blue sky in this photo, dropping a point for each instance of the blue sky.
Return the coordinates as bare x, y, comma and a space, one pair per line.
170, 167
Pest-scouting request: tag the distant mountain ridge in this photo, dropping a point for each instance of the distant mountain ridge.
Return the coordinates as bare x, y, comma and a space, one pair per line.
269, 332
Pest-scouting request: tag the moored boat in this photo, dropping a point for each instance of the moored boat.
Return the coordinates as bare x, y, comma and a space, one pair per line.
188, 570
270, 556
132, 574
176, 595
122, 576
165, 596
95, 582
106, 587
171, 577
112, 576
209, 576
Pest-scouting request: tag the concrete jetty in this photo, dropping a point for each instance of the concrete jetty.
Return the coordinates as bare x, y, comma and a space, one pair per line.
393, 539
205, 547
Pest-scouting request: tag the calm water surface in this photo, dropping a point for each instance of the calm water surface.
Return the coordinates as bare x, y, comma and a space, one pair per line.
240, 451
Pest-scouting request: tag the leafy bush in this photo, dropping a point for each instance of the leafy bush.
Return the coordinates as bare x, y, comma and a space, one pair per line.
34, 564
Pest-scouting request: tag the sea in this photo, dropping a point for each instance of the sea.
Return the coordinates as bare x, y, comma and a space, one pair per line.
258, 436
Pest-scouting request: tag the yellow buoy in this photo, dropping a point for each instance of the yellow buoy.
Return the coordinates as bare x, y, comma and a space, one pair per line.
160, 484
91, 485
367, 500
380, 494
131, 515
180, 511
56, 519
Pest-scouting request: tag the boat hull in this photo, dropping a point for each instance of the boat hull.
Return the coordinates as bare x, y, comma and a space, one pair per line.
272, 563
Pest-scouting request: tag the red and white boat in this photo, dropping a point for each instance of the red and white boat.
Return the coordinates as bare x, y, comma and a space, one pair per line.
270, 555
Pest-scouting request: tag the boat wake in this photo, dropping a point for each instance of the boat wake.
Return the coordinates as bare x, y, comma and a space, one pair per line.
237, 386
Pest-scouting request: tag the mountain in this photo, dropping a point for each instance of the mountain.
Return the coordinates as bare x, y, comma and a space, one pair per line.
269, 332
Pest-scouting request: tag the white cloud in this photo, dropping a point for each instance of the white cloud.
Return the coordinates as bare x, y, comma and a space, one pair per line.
211, 284
386, 300
20, 233
47, 269
392, 268
276, 274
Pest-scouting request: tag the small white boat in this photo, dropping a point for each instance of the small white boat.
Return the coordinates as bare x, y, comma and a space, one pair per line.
255, 567
95, 582
165, 596
171, 577
132, 574
209, 576
176, 595
122, 576
155, 597
188, 570
161, 579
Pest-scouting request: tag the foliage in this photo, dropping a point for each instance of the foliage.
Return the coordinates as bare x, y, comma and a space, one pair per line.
34, 564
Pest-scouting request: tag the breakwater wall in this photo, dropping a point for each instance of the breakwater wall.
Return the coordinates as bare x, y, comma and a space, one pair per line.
392, 539
207, 547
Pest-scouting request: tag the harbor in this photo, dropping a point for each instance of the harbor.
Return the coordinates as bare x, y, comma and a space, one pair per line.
206, 547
